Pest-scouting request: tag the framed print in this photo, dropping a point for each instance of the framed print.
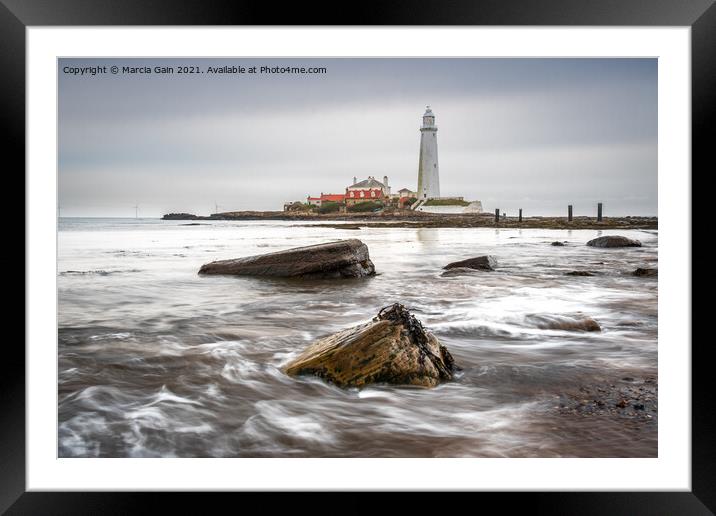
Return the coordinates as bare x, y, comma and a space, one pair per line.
455, 241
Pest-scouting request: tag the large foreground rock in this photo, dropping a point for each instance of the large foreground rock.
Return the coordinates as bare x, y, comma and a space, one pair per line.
483, 263
392, 348
343, 259
614, 241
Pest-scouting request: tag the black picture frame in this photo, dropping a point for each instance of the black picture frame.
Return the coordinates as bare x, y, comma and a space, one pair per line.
700, 15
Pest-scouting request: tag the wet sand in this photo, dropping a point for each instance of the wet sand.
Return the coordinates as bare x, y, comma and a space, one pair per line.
412, 219
462, 221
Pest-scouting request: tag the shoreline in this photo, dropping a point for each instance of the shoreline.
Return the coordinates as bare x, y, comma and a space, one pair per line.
428, 220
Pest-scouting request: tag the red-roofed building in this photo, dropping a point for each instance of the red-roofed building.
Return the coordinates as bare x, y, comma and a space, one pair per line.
333, 197
318, 201
367, 190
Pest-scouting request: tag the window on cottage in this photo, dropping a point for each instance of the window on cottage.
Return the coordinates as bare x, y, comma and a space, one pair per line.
362, 194
372, 194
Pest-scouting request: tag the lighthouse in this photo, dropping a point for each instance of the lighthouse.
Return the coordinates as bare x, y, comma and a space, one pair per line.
428, 170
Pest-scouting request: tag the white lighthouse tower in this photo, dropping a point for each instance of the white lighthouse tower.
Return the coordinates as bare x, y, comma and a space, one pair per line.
428, 170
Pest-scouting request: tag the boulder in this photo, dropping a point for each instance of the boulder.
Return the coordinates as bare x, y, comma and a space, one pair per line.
459, 271
393, 348
579, 273
613, 241
483, 263
342, 259
557, 243
646, 272
576, 322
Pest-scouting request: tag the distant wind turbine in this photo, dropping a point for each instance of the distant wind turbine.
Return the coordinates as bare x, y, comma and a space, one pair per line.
136, 211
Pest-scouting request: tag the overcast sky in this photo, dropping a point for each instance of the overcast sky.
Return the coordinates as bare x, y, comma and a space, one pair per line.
536, 134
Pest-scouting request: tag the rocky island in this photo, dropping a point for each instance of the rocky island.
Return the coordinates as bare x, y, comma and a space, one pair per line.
418, 219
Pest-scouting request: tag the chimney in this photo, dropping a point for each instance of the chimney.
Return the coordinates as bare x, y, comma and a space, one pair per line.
385, 181
355, 179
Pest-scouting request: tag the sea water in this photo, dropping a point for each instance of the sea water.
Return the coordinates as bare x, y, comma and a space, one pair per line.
157, 361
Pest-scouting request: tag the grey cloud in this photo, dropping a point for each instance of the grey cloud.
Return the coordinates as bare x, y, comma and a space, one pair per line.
543, 133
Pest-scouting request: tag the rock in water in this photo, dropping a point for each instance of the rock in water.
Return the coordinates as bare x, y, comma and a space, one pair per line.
392, 348
650, 273
483, 263
614, 241
459, 271
560, 244
342, 259
575, 322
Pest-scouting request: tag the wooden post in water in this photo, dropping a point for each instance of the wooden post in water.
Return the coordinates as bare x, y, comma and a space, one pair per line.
520, 214
599, 212
569, 213
497, 215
